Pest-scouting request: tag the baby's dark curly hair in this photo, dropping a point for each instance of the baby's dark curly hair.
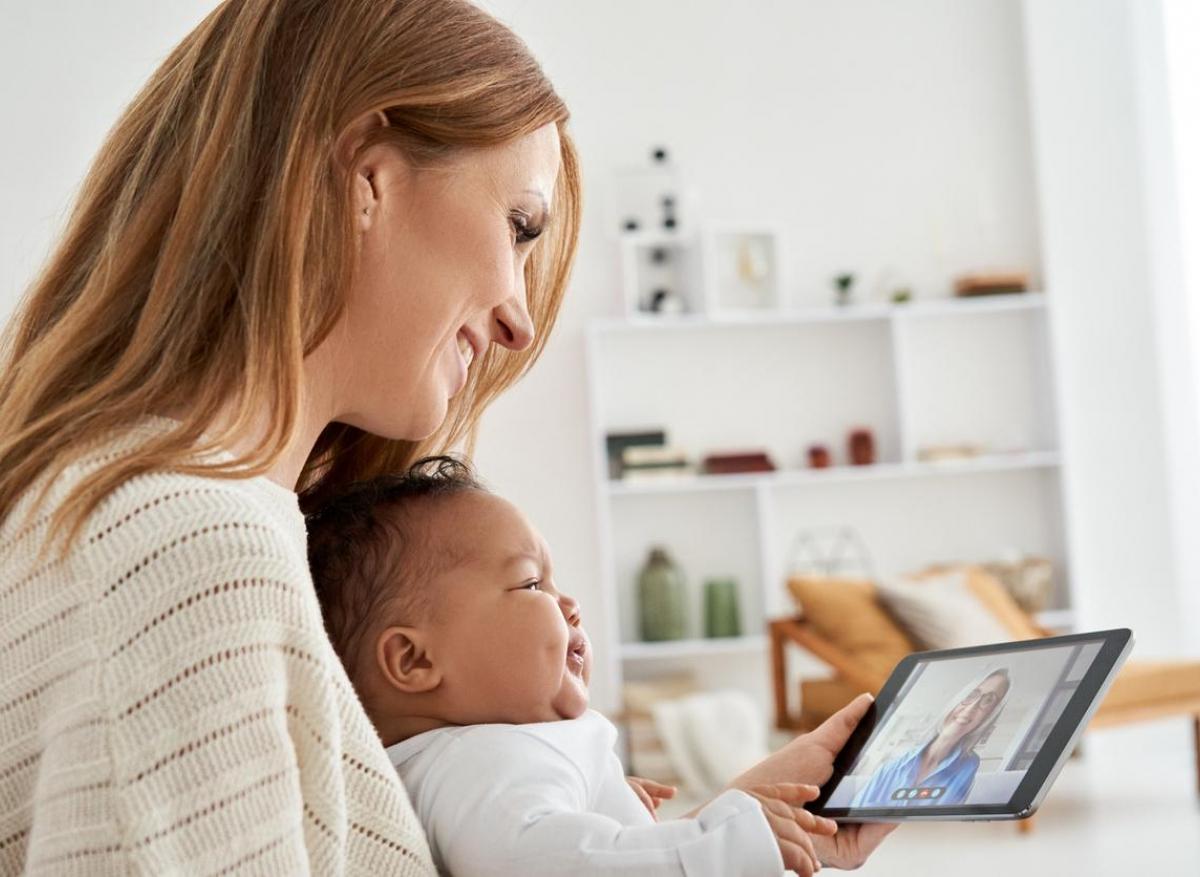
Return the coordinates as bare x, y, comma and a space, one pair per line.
370, 554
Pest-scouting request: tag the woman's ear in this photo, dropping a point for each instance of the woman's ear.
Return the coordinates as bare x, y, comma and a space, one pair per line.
366, 198
405, 660
365, 192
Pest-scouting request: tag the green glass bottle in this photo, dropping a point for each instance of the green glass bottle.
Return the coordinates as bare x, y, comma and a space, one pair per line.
721, 616
661, 598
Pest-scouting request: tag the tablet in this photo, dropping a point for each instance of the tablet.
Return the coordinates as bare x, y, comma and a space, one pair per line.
975, 733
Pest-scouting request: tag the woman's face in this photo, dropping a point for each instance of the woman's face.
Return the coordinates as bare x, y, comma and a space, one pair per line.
975, 708
440, 277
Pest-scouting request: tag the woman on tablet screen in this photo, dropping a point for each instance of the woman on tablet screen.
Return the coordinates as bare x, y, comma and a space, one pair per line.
942, 769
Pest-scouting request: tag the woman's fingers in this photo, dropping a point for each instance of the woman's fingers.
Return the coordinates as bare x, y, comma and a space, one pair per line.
798, 792
853, 844
833, 733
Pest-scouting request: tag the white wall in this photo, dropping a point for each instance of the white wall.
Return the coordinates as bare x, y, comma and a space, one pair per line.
1180, 152
67, 70
1095, 72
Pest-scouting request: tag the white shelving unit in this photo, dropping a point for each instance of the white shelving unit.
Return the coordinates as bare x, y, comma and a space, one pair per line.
942, 371
834, 474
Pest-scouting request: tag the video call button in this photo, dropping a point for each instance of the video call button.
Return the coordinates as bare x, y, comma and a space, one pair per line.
927, 792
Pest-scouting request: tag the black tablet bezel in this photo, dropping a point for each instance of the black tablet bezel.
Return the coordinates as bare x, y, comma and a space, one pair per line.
1026, 797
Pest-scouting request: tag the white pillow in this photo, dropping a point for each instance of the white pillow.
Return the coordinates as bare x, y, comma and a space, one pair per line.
941, 612
711, 737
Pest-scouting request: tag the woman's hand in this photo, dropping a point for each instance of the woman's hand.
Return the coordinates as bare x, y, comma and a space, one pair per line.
809, 759
651, 793
795, 829
854, 842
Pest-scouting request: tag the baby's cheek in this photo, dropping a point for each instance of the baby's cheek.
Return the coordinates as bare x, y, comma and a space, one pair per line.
554, 653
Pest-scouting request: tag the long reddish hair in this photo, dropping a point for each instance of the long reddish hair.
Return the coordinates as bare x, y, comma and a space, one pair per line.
212, 243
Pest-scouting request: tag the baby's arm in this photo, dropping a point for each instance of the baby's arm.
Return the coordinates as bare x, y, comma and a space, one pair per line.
500, 802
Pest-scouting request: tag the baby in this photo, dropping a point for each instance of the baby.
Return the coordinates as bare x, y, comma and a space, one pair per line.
441, 600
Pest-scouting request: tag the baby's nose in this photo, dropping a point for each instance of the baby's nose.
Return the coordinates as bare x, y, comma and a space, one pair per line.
570, 610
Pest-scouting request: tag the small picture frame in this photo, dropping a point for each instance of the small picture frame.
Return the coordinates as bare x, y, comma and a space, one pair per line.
742, 270
661, 276
651, 198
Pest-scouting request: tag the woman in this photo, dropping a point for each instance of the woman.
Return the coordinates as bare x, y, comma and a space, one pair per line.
324, 236
942, 769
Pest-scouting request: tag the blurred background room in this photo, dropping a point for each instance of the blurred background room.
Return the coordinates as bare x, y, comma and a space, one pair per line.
884, 334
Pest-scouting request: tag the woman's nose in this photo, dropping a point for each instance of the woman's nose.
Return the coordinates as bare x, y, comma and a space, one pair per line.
511, 324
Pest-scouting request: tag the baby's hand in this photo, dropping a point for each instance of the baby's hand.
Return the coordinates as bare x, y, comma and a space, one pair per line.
651, 793
783, 804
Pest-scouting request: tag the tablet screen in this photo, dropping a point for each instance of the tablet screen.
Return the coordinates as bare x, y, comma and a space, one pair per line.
963, 730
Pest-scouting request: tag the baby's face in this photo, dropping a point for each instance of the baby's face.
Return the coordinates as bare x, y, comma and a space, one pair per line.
510, 646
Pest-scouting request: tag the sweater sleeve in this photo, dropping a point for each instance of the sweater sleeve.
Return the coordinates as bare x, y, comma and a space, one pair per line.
223, 727
505, 803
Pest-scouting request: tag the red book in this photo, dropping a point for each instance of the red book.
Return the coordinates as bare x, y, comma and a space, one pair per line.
728, 464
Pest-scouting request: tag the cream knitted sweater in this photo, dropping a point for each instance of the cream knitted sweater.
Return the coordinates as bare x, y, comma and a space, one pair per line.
169, 701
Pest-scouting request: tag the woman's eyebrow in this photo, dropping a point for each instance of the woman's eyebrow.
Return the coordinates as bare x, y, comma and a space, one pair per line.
545, 217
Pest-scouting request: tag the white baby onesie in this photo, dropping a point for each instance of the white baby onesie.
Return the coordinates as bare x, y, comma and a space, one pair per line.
550, 799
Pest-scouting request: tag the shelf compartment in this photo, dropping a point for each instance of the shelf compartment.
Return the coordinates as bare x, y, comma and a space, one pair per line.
979, 381
836, 474
778, 389
907, 526
713, 539
692, 648
642, 323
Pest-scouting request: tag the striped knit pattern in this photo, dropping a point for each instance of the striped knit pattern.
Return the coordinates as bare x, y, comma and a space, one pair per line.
169, 701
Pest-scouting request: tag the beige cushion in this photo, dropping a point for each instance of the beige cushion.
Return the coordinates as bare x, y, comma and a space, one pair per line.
847, 614
942, 611
991, 592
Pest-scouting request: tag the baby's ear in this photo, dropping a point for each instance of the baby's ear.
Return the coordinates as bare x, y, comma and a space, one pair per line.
405, 662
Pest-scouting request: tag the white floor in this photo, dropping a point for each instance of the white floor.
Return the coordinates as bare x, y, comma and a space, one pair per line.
1128, 807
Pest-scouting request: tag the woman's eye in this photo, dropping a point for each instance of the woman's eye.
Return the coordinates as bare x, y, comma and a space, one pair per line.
524, 233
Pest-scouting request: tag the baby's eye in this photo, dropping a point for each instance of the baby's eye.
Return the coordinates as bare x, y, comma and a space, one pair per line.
535, 585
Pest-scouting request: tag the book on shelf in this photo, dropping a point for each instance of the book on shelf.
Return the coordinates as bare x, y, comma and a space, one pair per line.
733, 463
642, 461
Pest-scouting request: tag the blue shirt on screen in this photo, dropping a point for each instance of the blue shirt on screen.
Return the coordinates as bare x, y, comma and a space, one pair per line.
954, 775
